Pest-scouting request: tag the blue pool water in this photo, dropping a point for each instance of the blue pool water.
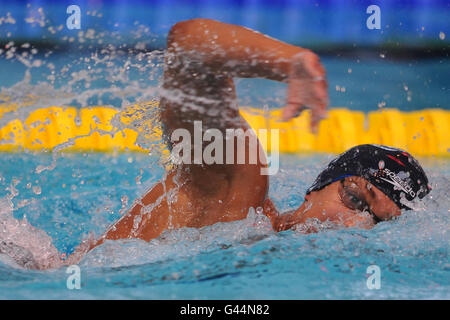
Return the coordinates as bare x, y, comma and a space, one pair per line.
357, 83
82, 194
85, 193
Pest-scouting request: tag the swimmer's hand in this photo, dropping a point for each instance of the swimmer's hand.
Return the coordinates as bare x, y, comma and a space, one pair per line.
307, 88
285, 221
279, 222
271, 212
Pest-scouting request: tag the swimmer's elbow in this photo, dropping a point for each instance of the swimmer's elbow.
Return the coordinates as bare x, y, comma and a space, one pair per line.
182, 31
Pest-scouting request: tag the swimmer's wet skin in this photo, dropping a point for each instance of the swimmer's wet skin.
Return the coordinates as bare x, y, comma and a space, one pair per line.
201, 60
365, 185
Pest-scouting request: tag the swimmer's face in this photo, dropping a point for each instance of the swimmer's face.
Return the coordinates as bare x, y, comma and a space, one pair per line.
353, 202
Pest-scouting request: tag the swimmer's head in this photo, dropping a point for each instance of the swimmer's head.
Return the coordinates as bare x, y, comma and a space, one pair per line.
393, 171
364, 185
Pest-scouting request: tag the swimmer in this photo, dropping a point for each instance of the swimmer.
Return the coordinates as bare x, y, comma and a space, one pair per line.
361, 187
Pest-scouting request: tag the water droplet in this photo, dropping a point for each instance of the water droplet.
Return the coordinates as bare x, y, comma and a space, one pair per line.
37, 190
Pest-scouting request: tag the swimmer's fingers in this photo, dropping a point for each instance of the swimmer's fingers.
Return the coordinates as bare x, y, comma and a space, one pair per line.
319, 105
305, 94
307, 88
292, 111
270, 211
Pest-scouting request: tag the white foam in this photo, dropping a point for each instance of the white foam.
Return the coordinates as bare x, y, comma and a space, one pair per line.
179, 243
26, 245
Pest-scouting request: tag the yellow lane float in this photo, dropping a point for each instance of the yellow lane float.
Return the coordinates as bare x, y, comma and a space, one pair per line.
424, 132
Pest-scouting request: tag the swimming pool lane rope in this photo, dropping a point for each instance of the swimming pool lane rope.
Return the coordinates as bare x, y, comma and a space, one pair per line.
423, 132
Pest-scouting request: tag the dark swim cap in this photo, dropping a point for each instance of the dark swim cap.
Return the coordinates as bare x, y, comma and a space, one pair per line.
395, 172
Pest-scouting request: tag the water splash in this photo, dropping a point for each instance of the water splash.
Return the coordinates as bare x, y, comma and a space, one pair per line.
180, 243
26, 245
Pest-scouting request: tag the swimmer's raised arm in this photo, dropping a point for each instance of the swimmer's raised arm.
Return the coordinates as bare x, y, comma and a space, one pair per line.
201, 60
235, 51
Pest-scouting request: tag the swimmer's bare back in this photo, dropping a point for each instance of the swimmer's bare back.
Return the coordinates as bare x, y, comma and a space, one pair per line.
203, 56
